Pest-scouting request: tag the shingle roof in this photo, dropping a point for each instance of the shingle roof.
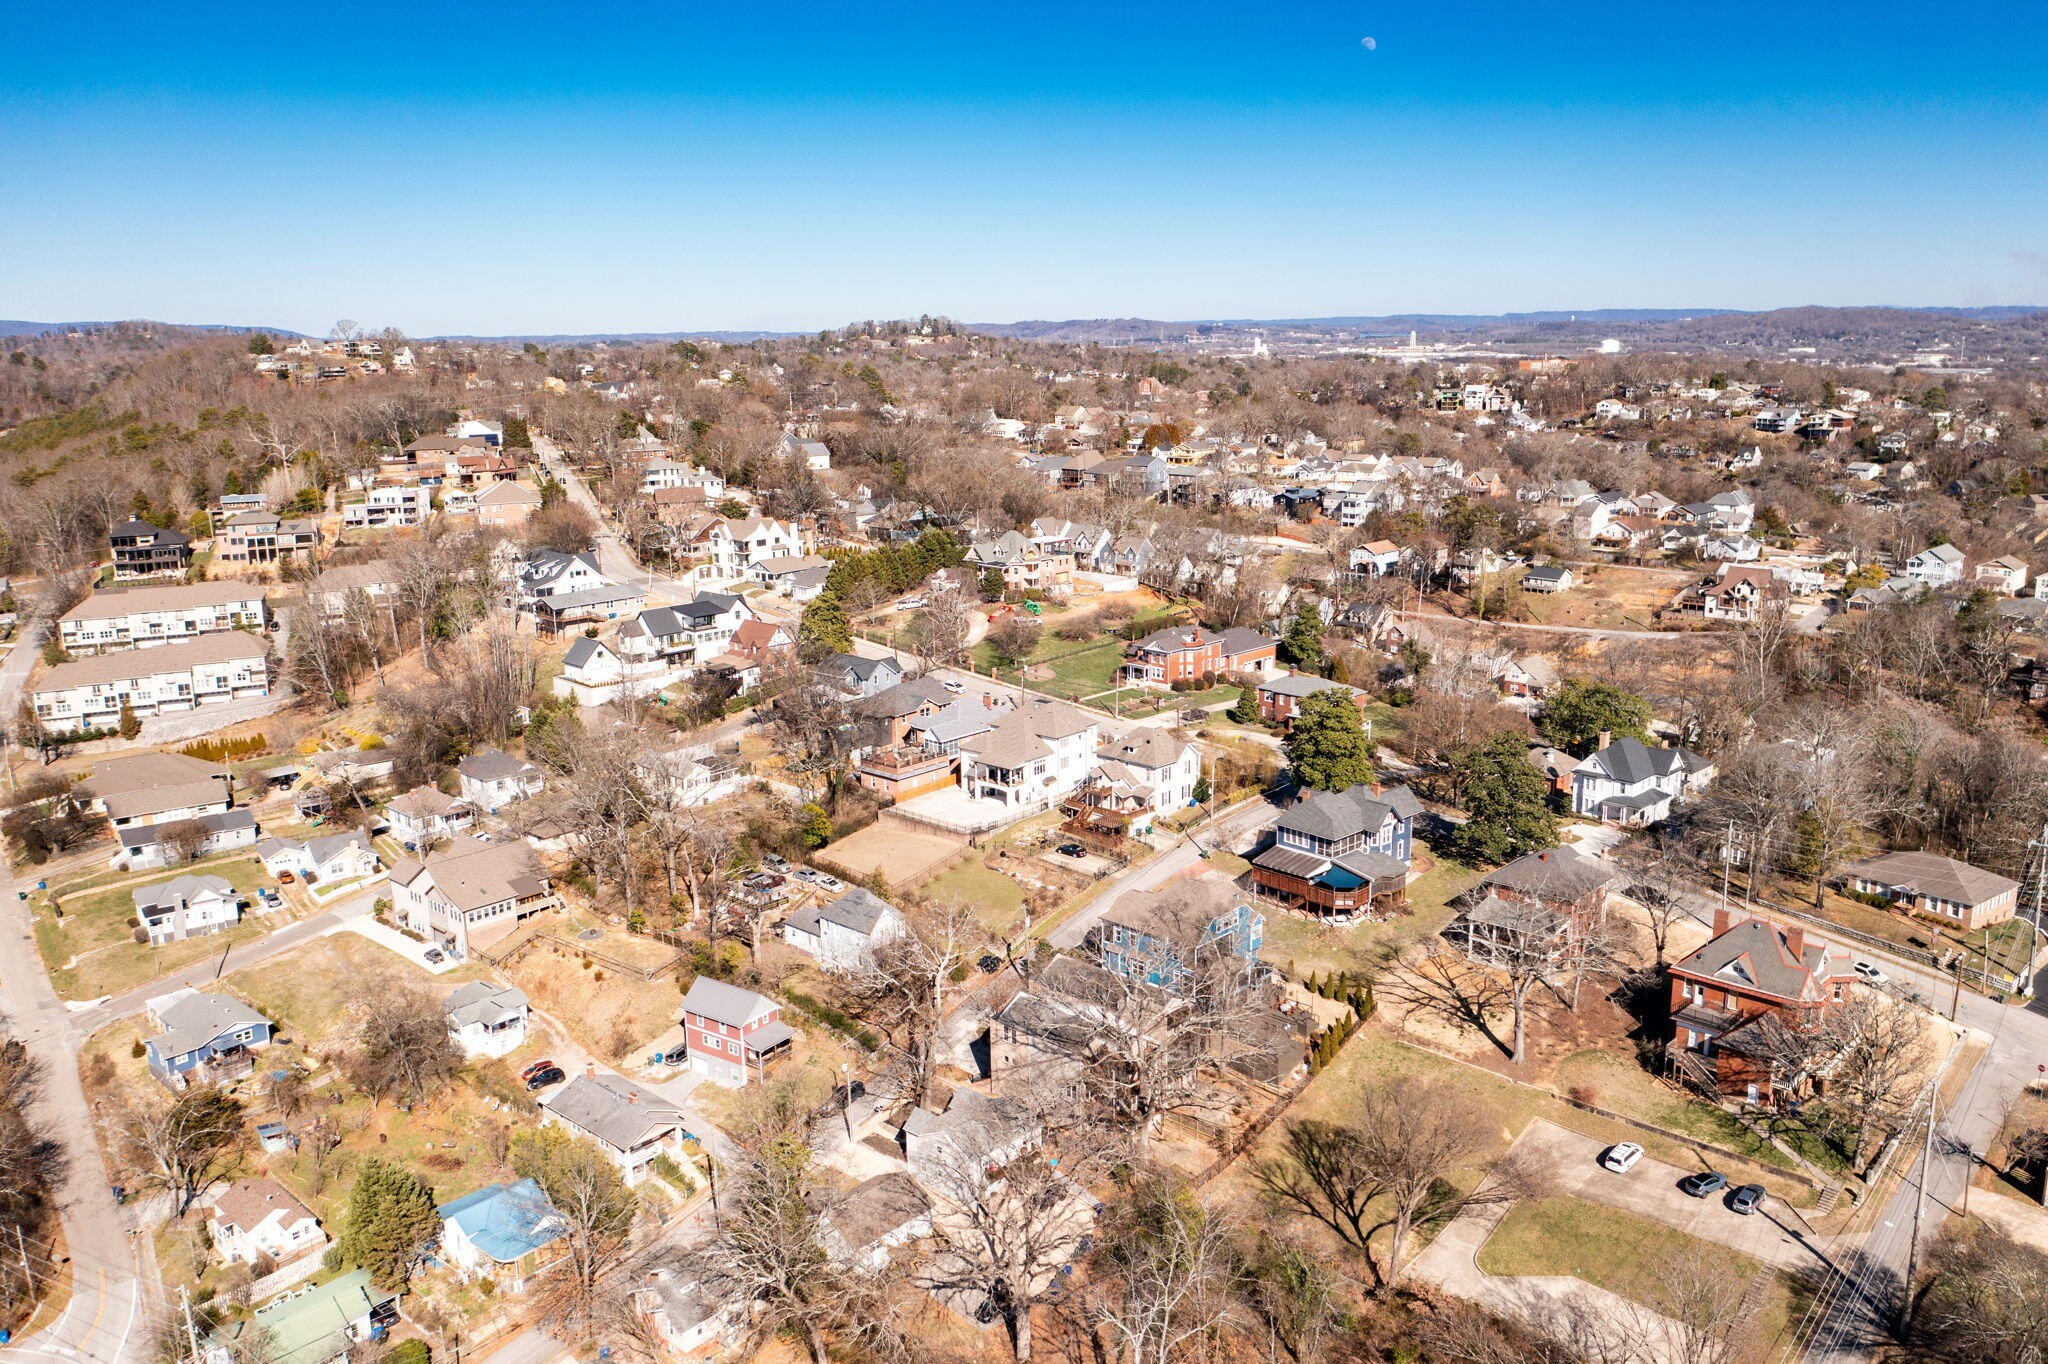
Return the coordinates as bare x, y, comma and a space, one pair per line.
1756, 953
1332, 815
471, 873
1630, 760
494, 764
1930, 874
613, 1109
858, 909
714, 999
480, 1001
192, 1019
873, 1209
224, 646
1554, 874
179, 890
128, 601
247, 1202
1302, 684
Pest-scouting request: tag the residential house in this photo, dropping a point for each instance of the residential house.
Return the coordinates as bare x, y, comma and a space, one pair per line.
800, 577
1281, 695
1936, 566
374, 582
1523, 681
492, 779
186, 907
755, 647
859, 676
469, 891
1627, 782
1032, 757
1022, 565
88, 693
687, 635
552, 615
757, 538
1955, 893
1376, 558
141, 617
684, 1317
486, 1019
732, 1035
1740, 593
1541, 903
1137, 778
335, 858
631, 1125
1193, 654
872, 1219
1739, 1002
507, 504
506, 1233
317, 1325
261, 537
259, 1218
843, 934
1548, 578
156, 788
1340, 854
919, 750
2004, 575
553, 573
423, 816
973, 1135
593, 674
141, 550
202, 1038
1165, 940
145, 847
389, 508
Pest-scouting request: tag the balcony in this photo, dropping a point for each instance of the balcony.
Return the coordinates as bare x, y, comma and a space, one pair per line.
907, 760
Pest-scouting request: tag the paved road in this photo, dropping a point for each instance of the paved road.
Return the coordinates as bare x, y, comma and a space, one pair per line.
1228, 832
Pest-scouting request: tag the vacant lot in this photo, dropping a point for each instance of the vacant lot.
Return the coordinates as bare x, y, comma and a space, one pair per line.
614, 1015
1607, 599
1634, 1257
904, 853
90, 950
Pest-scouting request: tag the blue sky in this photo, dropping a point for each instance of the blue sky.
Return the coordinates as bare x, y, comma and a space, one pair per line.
449, 167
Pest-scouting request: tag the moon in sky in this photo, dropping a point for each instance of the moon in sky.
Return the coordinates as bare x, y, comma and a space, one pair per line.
1369, 44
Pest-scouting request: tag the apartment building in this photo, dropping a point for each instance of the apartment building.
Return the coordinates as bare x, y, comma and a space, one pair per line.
88, 693
143, 617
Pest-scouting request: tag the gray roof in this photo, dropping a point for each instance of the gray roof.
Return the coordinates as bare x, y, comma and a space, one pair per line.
1302, 684
222, 646
956, 722
858, 909
873, 1209
1239, 640
1548, 573
480, 1001
904, 698
1147, 747
581, 652
471, 873
714, 999
192, 1019
177, 891
593, 596
1631, 760
1552, 875
149, 835
1332, 815
1935, 876
614, 1109
494, 764
1758, 953
1020, 736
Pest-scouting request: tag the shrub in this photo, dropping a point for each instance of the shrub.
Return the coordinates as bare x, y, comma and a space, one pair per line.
139, 1050
1585, 1094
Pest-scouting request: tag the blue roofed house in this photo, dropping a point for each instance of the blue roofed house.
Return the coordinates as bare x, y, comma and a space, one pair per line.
312, 1326
1629, 783
203, 1038
1339, 854
506, 1233
1164, 938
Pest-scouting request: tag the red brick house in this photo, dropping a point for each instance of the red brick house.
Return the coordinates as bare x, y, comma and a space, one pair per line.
1280, 697
1738, 1003
1192, 654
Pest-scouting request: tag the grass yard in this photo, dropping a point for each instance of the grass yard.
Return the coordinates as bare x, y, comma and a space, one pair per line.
997, 900
1619, 1083
306, 991
2008, 947
1632, 1256
90, 950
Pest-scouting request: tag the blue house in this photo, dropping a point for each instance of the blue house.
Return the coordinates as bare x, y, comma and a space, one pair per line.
1162, 938
204, 1038
1339, 854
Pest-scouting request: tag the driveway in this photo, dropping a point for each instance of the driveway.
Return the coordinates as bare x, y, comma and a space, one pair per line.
1227, 832
1570, 1161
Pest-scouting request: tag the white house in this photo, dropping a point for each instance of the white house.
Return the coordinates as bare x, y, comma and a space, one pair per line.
1936, 566
872, 1219
469, 889
88, 693
259, 1218
486, 1019
387, 508
684, 1317
141, 617
552, 573
493, 779
337, 857
2005, 575
144, 847
185, 907
684, 636
843, 935
594, 674
1038, 753
1631, 784
424, 815
631, 1125
157, 788
763, 537
506, 1233
1151, 770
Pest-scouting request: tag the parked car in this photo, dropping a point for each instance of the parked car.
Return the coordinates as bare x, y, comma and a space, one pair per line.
775, 862
536, 1068
433, 956
553, 1075
1746, 1199
910, 603
1704, 1183
953, 686
1870, 972
831, 883
1071, 850
1621, 1157
804, 874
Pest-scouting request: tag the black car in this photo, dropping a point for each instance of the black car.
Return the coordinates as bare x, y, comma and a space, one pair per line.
990, 963
541, 1079
1746, 1199
1072, 850
1704, 1183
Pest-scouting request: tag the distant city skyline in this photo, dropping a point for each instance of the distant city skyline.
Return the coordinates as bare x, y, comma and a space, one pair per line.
519, 169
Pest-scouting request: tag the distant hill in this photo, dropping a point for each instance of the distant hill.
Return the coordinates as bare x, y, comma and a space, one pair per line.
18, 328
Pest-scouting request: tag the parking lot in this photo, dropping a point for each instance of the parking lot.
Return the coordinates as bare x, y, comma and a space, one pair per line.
1570, 1161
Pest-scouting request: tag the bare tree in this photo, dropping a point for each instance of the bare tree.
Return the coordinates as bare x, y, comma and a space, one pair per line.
906, 986
181, 840
399, 1043
1170, 1273
185, 1147
1880, 1051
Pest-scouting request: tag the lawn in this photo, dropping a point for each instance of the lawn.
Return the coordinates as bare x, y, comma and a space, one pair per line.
614, 1015
2009, 946
91, 950
1310, 946
997, 900
306, 991
1620, 1084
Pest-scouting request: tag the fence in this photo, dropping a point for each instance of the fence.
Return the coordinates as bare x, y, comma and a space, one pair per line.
513, 949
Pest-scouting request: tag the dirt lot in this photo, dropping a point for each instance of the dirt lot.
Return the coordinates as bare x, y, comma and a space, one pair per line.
613, 1015
1608, 598
903, 853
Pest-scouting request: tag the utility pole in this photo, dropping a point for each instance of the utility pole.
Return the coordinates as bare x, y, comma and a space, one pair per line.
191, 1333
1727, 854
21, 1249
1905, 1320
1955, 1001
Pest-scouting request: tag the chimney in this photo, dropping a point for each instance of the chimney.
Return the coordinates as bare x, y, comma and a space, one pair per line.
1795, 941
633, 1096
590, 1069
1606, 738
1724, 919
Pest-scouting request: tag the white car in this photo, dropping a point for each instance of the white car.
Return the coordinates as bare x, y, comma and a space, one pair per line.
1621, 1157
910, 603
955, 687
1869, 972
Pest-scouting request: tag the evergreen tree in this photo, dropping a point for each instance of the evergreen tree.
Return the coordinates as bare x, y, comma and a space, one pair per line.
130, 723
815, 825
824, 629
1327, 745
390, 1222
1302, 644
1246, 711
1507, 800
992, 585
1579, 711
1202, 792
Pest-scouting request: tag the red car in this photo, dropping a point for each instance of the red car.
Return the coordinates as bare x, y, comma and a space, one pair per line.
536, 1068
